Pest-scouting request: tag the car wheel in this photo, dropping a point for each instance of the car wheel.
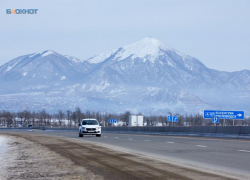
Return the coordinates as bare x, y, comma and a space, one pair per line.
80, 135
98, 135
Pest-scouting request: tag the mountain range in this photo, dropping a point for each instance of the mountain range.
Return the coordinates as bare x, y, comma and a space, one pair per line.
146, 76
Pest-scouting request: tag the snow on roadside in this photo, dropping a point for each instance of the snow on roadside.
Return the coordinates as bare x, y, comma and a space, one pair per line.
24, 159
3, 152
3, 145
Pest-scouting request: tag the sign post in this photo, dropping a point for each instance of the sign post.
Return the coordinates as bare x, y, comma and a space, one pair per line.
112, 121
215, 120
209, 114
173, 119
214, 115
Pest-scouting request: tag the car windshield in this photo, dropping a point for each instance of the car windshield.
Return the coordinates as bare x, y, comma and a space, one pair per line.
89, 122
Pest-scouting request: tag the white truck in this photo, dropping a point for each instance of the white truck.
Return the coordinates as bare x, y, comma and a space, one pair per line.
135, 120
89, 127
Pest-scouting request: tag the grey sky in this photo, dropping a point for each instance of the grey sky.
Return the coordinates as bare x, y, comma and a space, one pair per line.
217, 32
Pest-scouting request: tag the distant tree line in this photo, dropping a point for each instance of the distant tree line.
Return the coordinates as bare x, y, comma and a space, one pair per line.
71, 119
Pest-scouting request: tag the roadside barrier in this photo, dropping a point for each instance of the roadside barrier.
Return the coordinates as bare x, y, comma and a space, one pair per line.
227, 130
193, 129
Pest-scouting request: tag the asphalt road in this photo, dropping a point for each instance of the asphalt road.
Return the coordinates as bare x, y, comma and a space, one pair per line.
222, 155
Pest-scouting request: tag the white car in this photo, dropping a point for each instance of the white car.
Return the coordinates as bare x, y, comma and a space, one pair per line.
89, 127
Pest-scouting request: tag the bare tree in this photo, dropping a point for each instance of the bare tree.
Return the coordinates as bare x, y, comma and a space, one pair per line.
68, 112
60, 117
162, 120
21, 116
43, 117
33, 117
74, 118
79, 115
126, 117
27, 116
7, 118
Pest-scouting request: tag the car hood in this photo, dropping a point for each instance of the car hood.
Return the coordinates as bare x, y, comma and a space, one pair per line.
91, 126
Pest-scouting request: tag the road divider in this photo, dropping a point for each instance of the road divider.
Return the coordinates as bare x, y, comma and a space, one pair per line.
209, 131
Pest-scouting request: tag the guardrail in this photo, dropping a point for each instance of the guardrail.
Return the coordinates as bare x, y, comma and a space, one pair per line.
193, 129
227, 130
41, 128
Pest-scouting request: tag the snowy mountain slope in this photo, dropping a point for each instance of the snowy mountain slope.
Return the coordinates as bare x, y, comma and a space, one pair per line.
74, 59
146, 76
43, 66
150, 61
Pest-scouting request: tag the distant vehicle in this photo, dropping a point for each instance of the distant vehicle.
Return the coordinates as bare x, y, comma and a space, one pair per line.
89, 127
135, 120
29, 126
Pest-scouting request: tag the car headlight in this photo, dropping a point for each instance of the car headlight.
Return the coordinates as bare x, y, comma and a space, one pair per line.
98, 128
83, 128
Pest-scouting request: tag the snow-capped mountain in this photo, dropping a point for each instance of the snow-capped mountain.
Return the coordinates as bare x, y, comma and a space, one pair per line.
43, 66
150, 61
146, 76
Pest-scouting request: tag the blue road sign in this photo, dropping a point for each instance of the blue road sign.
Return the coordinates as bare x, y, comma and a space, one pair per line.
209, 114
112, 121
173, 118
215, 119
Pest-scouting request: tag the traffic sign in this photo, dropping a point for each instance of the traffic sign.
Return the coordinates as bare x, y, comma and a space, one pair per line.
112, 121
208, 114
215, 119
173, 118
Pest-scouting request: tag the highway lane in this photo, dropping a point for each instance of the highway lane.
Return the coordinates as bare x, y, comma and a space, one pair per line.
228, 155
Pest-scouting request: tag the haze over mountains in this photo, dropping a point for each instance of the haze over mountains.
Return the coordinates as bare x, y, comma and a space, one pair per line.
146, 76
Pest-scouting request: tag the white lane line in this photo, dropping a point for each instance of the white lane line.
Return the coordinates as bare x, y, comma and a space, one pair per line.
117, 137
199, 138
146, 140
200, 146
171, 142
244, 151
130, 139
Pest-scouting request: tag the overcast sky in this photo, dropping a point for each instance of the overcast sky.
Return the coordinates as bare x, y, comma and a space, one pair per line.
217, 32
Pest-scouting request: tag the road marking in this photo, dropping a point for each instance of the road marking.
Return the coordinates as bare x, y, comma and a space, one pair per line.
117, 137
171, 142
244, 151
146, 140
130, 139
199, 138
201, 146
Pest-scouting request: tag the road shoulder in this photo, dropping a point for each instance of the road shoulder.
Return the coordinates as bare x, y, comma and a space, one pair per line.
25, 159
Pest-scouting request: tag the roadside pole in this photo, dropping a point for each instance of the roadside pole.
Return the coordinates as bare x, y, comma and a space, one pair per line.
233, 122
224, 123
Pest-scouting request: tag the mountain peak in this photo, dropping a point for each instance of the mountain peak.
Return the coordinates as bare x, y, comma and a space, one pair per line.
44, 53
149, 42
48, 52
146, 47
